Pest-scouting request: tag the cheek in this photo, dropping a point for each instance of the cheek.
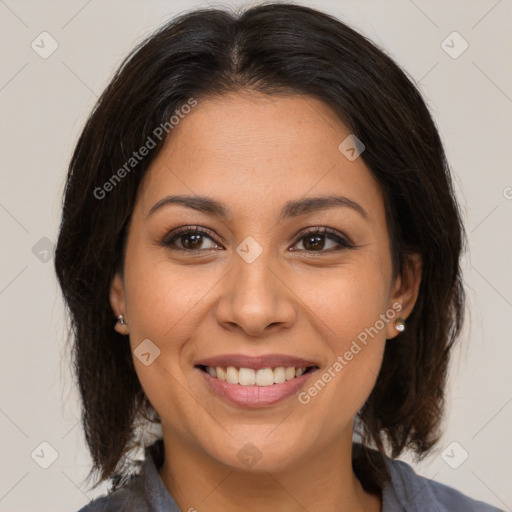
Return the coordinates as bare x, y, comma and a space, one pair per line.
347, 300
164, 306
162, 298
348, 307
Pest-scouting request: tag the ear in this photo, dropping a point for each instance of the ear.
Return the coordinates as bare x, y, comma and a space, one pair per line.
405, 291
118, 302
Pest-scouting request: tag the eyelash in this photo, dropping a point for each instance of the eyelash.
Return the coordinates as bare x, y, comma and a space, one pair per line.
325, 231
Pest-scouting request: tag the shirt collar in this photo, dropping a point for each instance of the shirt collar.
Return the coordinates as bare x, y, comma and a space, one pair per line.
157, 495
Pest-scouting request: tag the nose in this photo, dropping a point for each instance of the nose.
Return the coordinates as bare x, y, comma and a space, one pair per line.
256, 299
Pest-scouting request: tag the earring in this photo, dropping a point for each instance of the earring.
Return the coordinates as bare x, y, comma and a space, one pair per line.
120, 319
399, 324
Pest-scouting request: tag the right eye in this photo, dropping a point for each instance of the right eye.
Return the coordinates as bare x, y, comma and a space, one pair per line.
189, 239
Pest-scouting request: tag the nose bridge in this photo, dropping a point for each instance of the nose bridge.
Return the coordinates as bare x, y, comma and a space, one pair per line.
255, 256
254, 275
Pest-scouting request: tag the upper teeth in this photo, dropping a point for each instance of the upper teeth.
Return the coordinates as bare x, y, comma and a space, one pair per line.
251, 377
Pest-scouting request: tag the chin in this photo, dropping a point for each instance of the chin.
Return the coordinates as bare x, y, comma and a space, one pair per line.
259, 453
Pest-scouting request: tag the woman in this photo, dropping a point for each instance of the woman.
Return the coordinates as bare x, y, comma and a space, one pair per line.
260, 252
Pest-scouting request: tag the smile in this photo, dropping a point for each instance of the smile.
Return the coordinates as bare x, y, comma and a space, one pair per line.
254, 387
250, 377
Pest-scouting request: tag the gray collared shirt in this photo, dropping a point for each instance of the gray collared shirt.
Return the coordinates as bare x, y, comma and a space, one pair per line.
404, 492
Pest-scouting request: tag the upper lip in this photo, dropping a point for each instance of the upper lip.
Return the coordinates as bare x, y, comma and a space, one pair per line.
255, 362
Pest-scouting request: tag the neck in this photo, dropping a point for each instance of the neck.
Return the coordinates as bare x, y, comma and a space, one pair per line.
324, 482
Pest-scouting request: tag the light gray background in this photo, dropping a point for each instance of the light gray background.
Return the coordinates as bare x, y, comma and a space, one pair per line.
44, 105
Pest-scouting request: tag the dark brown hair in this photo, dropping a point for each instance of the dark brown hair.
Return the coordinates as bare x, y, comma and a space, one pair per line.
272, 48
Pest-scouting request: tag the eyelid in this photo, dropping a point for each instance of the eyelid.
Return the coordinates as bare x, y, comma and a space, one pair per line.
186, 230
340, 238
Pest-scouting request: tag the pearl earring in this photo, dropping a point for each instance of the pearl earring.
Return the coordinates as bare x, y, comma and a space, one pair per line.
399, 324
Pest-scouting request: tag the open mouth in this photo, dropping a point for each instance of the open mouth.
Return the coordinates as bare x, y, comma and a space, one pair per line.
256, 377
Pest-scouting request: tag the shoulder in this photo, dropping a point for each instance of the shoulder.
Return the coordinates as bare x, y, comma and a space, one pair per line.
412, 492
143, 491
129, 498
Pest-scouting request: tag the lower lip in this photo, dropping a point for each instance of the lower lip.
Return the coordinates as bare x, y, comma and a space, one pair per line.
255, 396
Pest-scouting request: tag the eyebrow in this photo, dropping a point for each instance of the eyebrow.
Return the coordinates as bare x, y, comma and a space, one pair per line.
290, 209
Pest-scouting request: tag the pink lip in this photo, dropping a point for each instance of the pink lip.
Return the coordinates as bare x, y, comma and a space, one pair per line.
255, 362
254, 396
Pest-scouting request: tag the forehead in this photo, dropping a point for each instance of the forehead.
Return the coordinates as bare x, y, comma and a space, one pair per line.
251, 150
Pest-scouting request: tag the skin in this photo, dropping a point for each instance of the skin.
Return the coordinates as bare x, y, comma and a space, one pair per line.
253, 153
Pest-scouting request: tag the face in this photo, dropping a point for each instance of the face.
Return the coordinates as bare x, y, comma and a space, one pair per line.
271, 281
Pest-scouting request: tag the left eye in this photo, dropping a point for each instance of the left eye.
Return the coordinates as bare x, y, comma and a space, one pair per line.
315, 240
